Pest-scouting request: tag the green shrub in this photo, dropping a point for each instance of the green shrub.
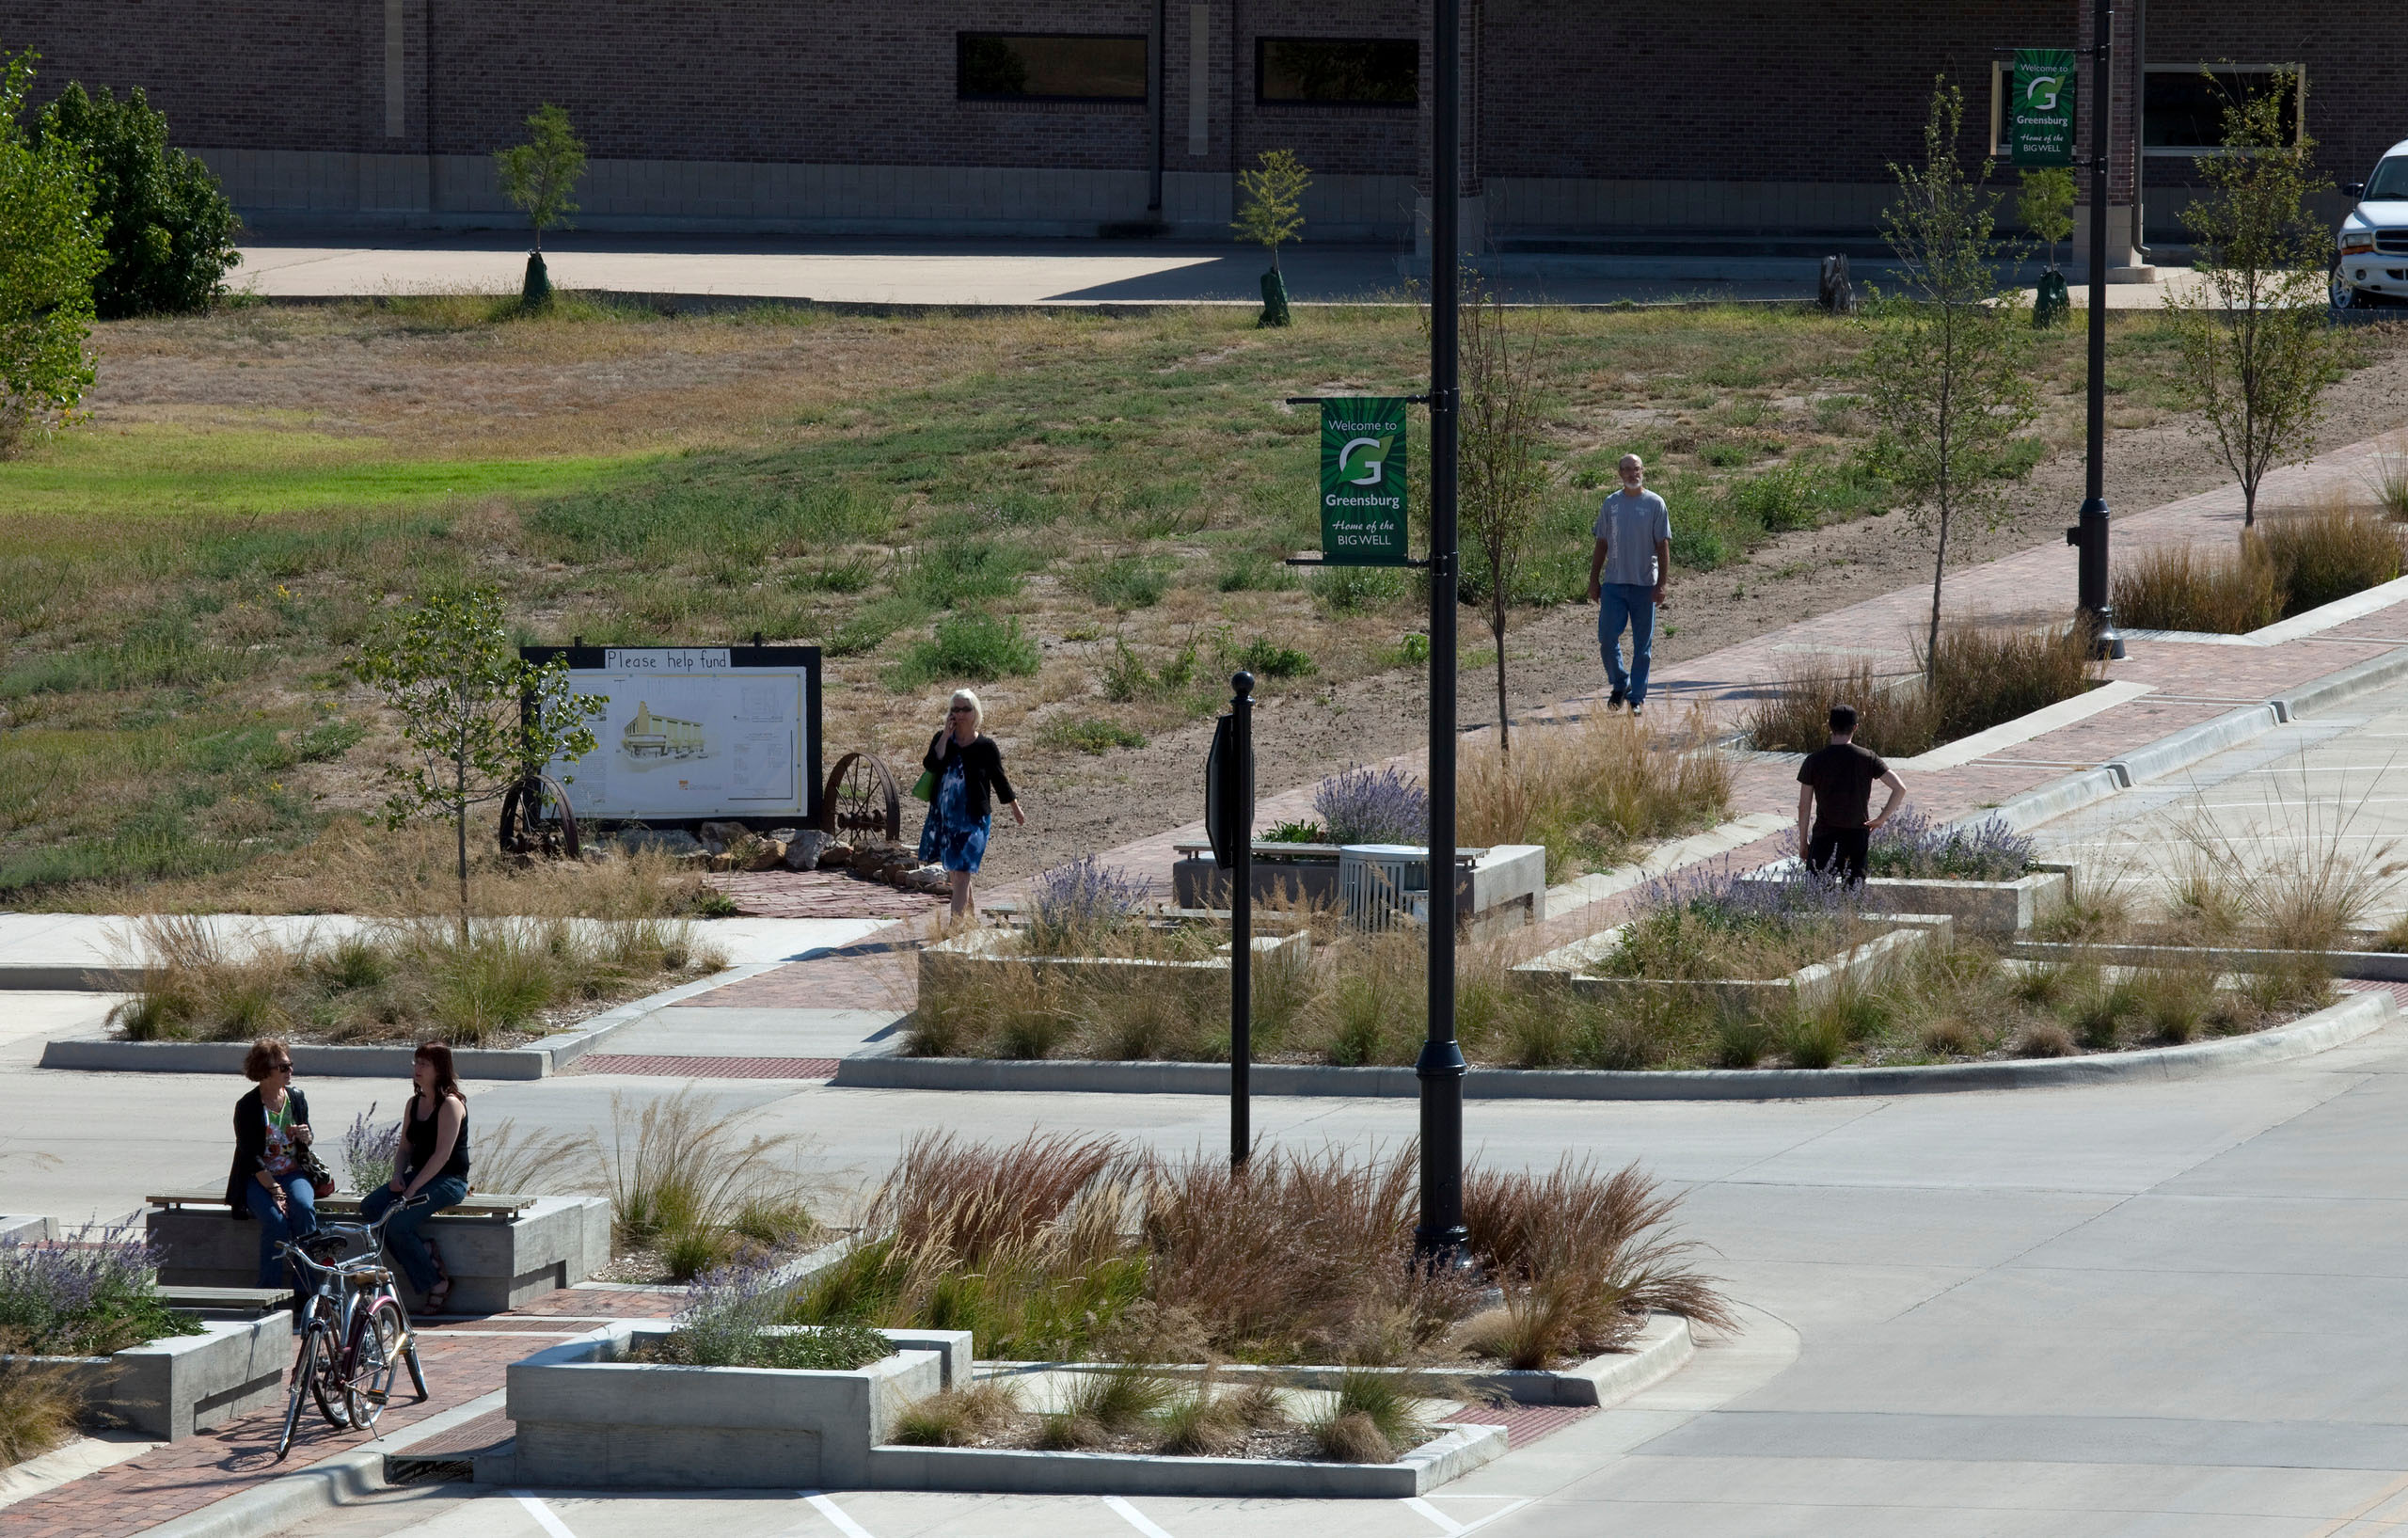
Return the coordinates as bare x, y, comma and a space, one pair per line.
970, 646
170, 233
1267, 658
1349, 590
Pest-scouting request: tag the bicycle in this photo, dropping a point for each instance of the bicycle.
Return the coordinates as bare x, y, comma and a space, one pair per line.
355, 1330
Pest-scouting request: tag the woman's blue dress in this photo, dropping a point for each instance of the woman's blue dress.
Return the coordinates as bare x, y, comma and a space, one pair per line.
951, 837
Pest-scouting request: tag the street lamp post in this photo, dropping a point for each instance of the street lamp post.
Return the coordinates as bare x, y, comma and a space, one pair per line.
1440, 1236
2089, 536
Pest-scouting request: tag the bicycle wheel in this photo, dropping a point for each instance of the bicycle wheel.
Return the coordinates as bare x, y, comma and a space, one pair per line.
375, 1355
325, 1381
304, 1371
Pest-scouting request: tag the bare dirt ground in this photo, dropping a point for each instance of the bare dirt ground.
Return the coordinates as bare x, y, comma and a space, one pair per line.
1082, 806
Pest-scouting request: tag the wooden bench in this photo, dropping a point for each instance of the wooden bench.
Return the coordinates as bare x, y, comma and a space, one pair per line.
225, 1302
500, 1248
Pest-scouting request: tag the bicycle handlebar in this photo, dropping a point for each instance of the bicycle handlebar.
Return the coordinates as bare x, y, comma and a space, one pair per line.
374, 1227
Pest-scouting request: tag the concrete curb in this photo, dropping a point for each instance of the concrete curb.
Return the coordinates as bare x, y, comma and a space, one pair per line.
2350, 966
538, 1059
323, 1486
2178, 751
1460, 1450
51, 977
2355, 1017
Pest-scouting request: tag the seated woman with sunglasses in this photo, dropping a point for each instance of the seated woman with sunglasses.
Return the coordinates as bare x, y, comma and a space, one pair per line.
431, 1162
271, 1128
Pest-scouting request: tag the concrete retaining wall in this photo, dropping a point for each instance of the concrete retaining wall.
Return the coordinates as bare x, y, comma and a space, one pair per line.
1455, 1452
495, 1265
587, 1417
170, 1388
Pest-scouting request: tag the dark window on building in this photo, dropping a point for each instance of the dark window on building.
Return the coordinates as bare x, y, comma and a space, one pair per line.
1338, 72
1050, 67
2183, 111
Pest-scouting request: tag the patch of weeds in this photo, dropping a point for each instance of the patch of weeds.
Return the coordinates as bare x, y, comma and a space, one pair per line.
1266, 659
1089, 734
969, 644
956, 1416
1130, 582
871, 624
836, 573
1351, 589
327, 740
961, 564
1251, 571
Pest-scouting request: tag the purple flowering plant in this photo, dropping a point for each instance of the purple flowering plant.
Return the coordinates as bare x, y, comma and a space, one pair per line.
86, 1294
1686, 924
725, 1311
1363, 805
368, 1151
1075, 902
1911, 845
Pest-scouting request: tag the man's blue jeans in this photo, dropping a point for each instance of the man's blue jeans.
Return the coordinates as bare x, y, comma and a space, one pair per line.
298, 1220
1631, 604
400, 1235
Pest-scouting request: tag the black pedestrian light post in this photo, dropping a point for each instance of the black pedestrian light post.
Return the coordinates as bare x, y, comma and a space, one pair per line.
2089, 536
1440, 1237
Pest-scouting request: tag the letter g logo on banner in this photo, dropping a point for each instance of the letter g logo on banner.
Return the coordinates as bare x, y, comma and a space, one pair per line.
1373, 465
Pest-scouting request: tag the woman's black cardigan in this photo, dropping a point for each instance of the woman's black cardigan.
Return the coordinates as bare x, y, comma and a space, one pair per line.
982, 765
250, 1144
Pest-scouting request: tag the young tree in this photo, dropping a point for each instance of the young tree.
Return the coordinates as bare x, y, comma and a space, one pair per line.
2045, 204
50, 251
1943, 366
1503, 480
2257, 348
540, 176
1271, 212
476, 715
171, 227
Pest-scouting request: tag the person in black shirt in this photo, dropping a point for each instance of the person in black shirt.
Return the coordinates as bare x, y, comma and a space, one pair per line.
1834, 792
968, 769
433, 1162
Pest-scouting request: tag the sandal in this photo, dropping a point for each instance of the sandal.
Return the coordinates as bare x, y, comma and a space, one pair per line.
441, 1294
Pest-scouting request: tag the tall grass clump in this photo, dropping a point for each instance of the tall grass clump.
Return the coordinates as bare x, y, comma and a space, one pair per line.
690, 1182
1088, 1248
1977, 679
2290, 564
1590, 791
398, 980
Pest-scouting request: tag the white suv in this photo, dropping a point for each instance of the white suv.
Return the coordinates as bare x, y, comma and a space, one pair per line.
2372, 266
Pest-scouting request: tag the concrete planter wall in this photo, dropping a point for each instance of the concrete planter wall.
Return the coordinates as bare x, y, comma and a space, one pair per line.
590, 1418
1995, 909
495, 1265
1566, 967
1503, 888
170, 1388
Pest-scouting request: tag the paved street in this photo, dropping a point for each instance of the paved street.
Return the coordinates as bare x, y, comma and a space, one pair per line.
2173, 1308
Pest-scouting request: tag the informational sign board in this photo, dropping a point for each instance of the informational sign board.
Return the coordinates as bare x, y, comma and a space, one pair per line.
692, 733
1362, 481
2039, 107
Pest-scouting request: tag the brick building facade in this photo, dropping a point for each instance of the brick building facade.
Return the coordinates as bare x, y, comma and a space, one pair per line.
737, 114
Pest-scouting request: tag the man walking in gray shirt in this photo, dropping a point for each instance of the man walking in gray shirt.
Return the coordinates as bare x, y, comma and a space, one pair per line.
1626, 577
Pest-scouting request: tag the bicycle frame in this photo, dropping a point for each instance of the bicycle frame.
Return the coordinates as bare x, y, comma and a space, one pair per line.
339, 1300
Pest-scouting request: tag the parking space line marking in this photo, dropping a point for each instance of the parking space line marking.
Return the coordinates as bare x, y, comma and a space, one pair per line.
1447, 1525
542, 1515
1499, 1515
1135, 1517
835, 1514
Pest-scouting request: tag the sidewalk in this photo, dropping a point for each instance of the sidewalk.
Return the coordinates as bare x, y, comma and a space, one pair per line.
865, 270
465, 1358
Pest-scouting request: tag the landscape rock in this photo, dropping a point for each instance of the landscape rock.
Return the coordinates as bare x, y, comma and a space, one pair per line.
803, 850
722, 837
672, 841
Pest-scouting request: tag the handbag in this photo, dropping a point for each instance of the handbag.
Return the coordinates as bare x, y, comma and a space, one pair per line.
321, 1178
925, 788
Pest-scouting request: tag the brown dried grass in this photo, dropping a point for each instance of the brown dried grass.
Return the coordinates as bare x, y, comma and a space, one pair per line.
1590, 790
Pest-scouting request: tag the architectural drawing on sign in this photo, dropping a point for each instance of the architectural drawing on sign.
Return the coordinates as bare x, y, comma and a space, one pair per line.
651, 739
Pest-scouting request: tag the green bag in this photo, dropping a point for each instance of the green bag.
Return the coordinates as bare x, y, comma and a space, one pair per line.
925, 788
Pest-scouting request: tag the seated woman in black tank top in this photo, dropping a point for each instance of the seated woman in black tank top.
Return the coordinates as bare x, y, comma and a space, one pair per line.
431, 1162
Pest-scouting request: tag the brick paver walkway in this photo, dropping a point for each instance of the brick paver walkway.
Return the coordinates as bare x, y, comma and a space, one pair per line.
881, 973
819, 894
464, 1358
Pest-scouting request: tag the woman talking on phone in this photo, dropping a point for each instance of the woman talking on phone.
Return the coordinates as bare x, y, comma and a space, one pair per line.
967, 771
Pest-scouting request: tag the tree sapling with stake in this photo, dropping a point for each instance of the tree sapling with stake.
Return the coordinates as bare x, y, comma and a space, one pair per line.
1945, 369
2045, 205
539, 176
1271, 214
477, 716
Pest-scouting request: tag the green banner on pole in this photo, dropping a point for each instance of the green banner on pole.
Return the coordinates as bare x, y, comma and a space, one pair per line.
1362, 481
2039, 110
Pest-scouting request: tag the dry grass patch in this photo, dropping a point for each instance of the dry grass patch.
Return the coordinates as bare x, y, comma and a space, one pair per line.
1592, 790
1981, 676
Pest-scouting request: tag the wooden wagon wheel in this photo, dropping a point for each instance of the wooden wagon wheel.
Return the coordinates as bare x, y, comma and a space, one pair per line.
526, 830
862, 799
